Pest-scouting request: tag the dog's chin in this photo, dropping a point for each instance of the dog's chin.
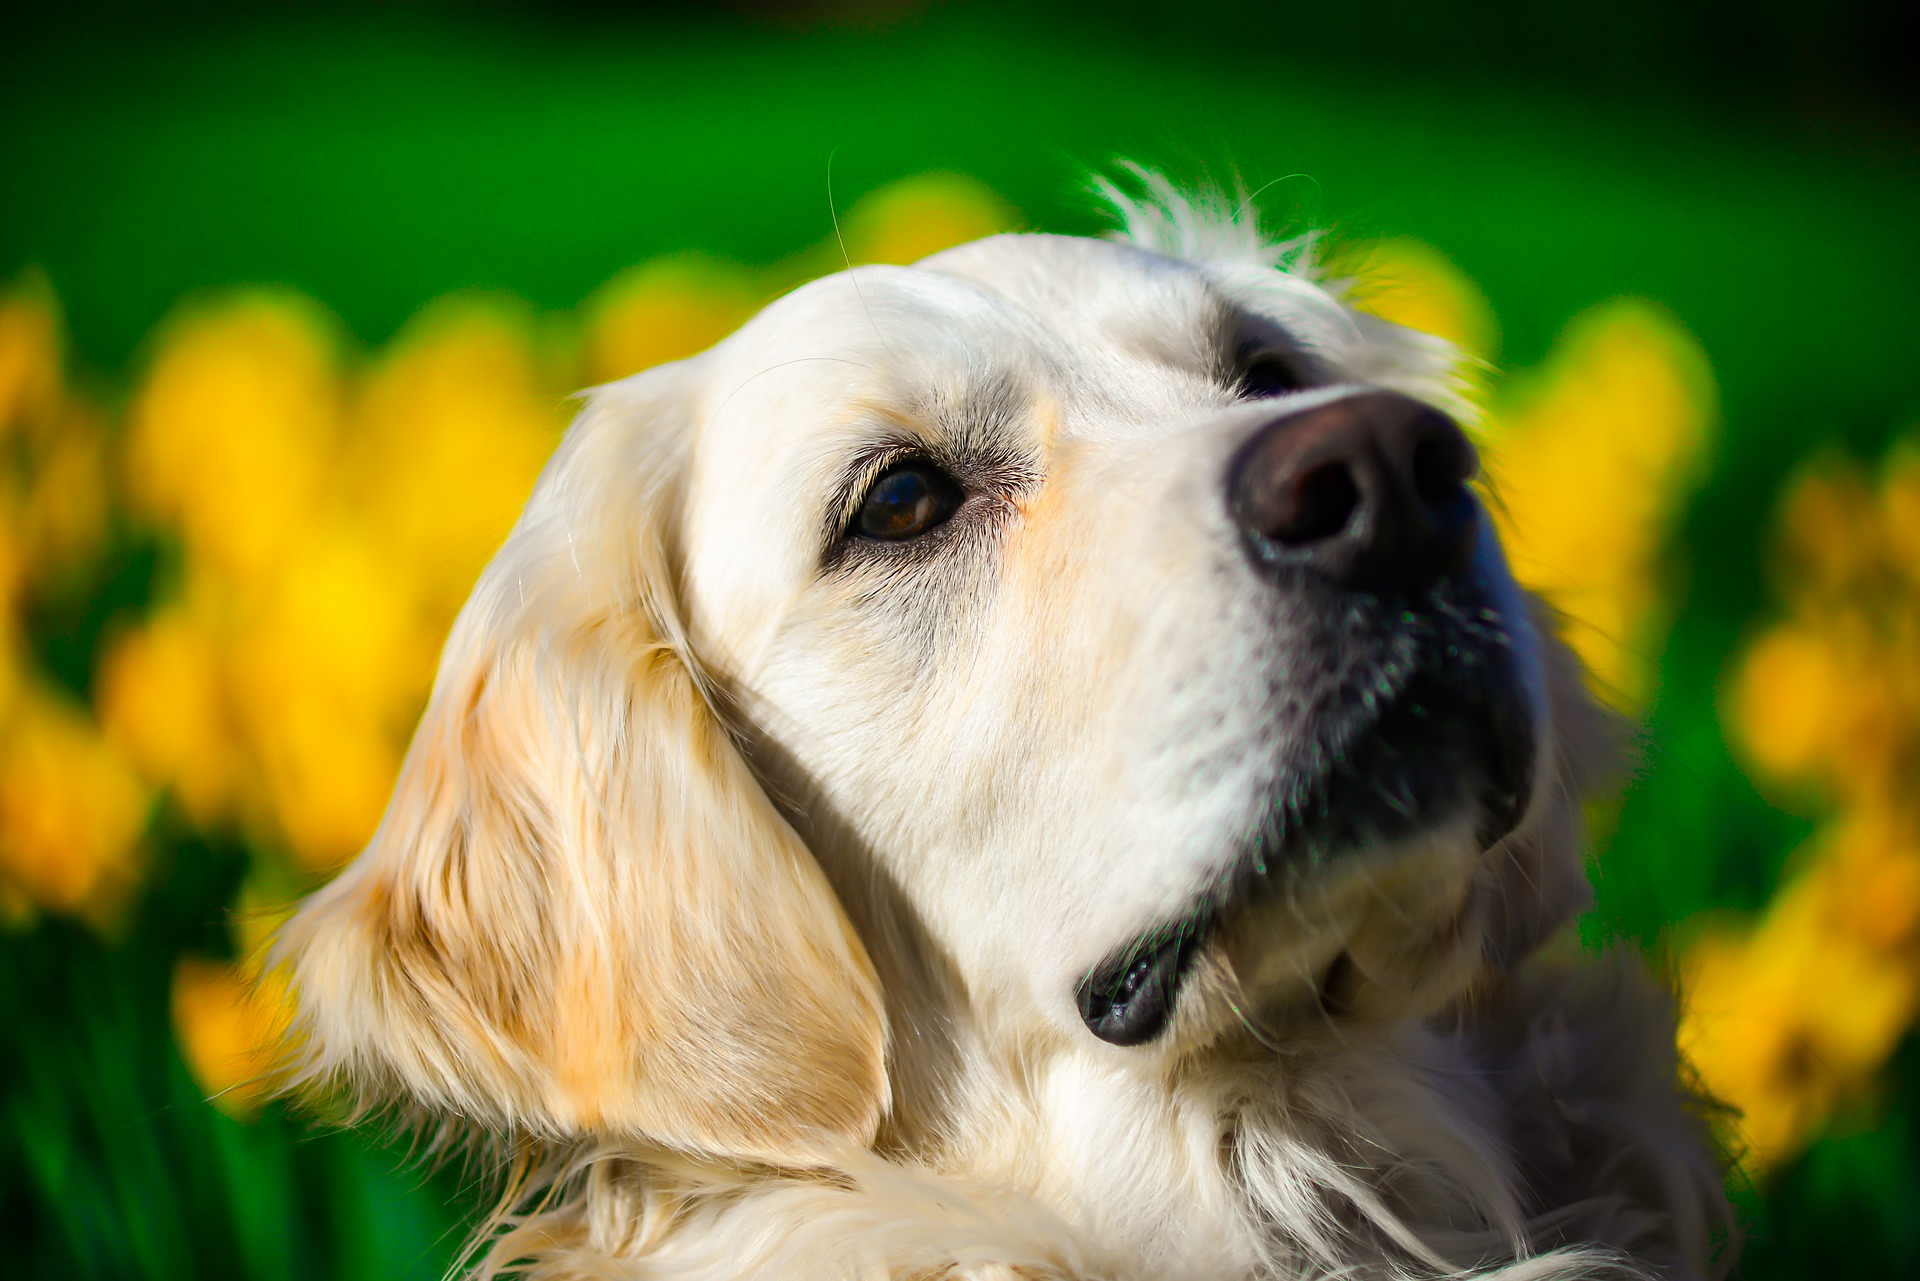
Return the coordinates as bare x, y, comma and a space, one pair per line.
1391, 931
1355, 897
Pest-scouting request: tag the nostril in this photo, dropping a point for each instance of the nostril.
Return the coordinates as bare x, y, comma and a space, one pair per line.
1318, 505
1443, 463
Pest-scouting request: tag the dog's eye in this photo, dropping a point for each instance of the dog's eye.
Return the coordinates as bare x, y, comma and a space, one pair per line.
1262, 377
906, 501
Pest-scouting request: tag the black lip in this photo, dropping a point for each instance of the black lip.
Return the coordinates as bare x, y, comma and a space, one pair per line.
1458, 732
1128, 998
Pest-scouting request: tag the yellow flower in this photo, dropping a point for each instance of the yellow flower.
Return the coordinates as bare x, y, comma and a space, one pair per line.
449, 436
1788, 701
31, 349
1900, 506
71, 811
1740, 1030
228, 1031
12, 569
234, 428
63, 521
1874, 885
1796, 1015
1411, 283
909, 219
1828, 528
54, 499
326, 681
1803, 1011
1832, 695
662, 311
325, 554
162, 699
1590, 458
11, 673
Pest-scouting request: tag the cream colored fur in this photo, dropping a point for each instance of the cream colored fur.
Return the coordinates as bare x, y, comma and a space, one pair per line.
744, 897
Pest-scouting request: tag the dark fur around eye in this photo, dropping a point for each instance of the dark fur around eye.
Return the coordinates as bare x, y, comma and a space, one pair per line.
905, 501
1265, 375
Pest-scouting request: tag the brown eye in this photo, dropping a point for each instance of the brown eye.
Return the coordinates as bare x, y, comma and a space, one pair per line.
906, 502
1262, 377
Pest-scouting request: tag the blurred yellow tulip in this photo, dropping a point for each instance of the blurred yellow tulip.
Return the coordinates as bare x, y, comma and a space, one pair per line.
1590, 458
1900, 506
662, 311
227, 1028
331, 528
910, 219
234, 429
1793, 1013
32, 346
71, 809
1411, 283
1828, 528
162, 699
55, 493
1789, 1018
64, 517
325, 678
12, 568
1784, 703
448, 436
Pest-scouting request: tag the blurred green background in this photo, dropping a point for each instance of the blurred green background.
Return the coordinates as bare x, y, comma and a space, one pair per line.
1749, 168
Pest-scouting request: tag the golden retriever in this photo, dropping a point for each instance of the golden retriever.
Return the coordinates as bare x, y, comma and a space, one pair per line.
1026, 765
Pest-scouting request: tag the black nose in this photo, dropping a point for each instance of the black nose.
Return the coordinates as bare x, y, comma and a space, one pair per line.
1369, 490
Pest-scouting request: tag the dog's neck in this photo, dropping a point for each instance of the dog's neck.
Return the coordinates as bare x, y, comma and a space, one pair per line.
1343, 1151
1542, 1109
1492, 1132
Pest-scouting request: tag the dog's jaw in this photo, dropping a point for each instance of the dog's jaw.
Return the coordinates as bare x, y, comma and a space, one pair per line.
1420, 763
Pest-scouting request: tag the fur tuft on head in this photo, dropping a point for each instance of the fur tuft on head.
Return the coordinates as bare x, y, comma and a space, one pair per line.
1223, 237
1203, 226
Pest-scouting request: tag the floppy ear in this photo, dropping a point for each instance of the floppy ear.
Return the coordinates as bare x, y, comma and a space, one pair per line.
581, 915
1541, 884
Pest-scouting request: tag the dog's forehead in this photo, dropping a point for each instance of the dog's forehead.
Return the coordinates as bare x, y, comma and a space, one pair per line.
1098, 291
1104, 325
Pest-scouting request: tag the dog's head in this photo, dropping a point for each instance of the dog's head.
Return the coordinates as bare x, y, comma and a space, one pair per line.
1114, 621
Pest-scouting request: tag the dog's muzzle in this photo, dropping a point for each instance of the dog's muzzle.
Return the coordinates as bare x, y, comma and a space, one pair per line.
1360, 510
